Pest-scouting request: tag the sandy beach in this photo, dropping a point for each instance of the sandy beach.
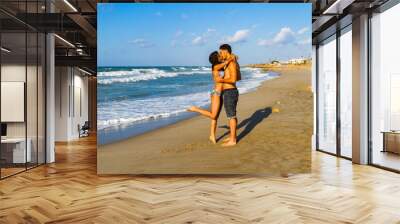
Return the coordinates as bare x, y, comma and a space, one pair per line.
274, 136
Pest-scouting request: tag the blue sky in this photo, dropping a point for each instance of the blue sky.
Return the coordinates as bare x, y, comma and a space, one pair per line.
151, 34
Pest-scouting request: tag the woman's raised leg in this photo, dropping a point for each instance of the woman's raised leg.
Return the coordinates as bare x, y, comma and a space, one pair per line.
215, 107
213, 115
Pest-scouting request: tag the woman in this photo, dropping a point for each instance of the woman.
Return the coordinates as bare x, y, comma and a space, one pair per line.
216, 67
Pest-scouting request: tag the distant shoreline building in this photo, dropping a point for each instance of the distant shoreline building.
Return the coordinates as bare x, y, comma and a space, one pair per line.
277, 63
297, 61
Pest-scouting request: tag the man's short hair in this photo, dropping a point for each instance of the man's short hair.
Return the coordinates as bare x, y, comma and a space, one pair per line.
226, 47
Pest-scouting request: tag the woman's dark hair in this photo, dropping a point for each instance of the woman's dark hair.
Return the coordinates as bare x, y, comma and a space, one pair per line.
213, 58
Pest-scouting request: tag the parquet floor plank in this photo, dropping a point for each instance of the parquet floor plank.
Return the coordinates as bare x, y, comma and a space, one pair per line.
69, 191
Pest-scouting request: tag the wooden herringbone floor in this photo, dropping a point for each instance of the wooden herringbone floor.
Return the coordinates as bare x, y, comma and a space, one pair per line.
69, 191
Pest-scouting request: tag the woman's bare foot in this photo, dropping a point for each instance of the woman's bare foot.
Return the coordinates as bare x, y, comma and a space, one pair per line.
228, 144
212, 139
226, 140
192, 109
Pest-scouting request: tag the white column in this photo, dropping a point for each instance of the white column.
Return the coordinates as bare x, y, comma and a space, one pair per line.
50, 92
63, 101
360, 90
314, 90
50, 99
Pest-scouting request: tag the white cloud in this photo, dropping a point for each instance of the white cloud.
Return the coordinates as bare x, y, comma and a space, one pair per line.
283, 37
199, 40
265, 42
304, 41
140, 42
209, 32
240, 36
302, 30
137, 41
176, 37
202, 39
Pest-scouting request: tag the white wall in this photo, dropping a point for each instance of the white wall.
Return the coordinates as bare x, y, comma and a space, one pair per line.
62, 82
13, 101
14, 72
33, 126
17, 73
70, 83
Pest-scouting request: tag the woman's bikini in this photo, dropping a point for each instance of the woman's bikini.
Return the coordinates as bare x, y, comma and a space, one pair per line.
217, 87
215, 92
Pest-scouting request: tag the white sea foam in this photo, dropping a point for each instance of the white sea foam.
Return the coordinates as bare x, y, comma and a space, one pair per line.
125, 112
135, 71
135, 75
130, 111
252, 78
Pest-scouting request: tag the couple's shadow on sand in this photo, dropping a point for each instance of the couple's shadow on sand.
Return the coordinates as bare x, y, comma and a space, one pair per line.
249, 123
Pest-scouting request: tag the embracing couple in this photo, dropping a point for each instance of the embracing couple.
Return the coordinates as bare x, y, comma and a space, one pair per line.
224, 92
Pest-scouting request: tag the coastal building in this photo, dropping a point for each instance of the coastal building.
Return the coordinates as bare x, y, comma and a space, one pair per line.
48, 173
297, 61
275, 62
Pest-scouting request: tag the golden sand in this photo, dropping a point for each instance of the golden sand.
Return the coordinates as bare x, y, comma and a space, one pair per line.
274, 133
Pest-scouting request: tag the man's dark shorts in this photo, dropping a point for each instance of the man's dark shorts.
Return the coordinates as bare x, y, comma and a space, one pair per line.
230, 100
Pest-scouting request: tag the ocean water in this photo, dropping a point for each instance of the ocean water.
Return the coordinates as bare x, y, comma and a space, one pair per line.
133, 100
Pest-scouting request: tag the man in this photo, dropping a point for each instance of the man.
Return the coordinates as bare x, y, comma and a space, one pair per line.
230, 93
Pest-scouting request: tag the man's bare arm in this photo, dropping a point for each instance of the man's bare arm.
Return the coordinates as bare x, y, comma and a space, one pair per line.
222, 65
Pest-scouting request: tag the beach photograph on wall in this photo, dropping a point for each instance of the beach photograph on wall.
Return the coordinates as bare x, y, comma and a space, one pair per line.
204, 88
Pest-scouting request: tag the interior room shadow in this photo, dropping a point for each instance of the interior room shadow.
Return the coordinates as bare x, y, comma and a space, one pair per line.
249, 123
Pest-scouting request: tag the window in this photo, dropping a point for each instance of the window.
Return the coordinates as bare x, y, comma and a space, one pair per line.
385, 89
346, 92
327, 95
22, 77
